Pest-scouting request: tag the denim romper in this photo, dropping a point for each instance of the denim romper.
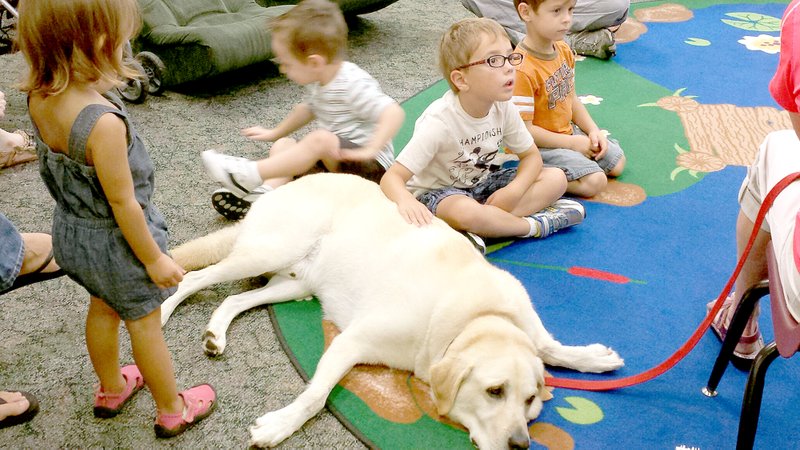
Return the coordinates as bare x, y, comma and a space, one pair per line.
87, 242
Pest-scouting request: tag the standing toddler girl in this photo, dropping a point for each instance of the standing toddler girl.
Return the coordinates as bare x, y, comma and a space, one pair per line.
107, 234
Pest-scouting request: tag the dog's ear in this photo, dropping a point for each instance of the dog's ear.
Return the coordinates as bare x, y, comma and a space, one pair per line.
446, 378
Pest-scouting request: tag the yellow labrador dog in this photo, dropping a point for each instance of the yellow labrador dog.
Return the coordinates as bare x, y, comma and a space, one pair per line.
413, 298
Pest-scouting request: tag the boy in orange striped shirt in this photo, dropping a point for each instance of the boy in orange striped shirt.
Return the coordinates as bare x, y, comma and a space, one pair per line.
544, 92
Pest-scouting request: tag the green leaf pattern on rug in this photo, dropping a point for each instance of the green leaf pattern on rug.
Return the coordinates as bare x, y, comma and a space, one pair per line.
753, 21
680, 169
698, 42
583, 411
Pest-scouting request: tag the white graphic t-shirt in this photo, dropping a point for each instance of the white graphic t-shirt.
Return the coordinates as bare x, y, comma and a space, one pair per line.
451, 148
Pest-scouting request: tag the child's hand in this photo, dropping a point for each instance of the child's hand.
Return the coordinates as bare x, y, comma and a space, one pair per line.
358, 154
583, 145
260, 134
415, 212
599, 144
165, 272
2, 104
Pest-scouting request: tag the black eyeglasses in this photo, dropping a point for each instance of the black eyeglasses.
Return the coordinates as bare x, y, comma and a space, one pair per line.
496, 61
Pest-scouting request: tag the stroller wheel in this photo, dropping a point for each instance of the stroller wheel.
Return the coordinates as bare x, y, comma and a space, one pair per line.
154, 68
8, 22
133, 91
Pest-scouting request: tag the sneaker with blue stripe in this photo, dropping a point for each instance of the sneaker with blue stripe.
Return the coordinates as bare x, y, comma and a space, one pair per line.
561, 214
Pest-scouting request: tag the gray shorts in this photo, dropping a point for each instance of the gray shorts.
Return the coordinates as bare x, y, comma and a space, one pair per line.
575, 165
480, 192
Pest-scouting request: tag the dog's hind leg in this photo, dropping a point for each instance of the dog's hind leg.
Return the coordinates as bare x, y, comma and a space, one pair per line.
234, 267
344, 352
278, 289
207, 250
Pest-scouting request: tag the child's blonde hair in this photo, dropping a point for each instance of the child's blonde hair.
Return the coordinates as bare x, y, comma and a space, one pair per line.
66, 41
313, 27
461, 40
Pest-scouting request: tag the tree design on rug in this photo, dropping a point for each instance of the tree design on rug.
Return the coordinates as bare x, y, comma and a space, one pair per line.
719, 135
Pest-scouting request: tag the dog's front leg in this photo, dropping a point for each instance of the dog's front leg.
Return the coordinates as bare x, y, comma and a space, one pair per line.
584, 358
272, 428
278, 289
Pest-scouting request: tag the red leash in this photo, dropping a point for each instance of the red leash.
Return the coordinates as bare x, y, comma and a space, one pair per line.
606, 385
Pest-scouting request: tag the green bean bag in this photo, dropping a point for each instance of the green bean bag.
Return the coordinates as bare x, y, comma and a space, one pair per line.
348, 7
197, 39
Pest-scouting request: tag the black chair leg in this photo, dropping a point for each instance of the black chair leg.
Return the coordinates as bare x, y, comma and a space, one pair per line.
735, 330
751, 403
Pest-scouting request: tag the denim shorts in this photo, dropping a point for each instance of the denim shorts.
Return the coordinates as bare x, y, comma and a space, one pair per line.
12, 251
94, 253
480, 192
575, 165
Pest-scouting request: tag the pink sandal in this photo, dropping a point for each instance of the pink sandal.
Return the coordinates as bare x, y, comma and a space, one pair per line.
198, 402
109, 405
748, 346
21, 154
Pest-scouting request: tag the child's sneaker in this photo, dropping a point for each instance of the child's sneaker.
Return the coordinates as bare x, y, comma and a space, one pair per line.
239, 175
198, 402
476, 241
561, 214
109, 405
598, 43
233, 207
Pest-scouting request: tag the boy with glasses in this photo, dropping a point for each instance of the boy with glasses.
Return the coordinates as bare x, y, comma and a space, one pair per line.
544, 92
451, 166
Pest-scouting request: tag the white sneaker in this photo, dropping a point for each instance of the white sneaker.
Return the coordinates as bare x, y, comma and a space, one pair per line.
561, 214
238, 175
476, 241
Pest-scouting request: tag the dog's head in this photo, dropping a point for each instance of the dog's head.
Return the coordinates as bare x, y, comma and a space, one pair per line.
491, 381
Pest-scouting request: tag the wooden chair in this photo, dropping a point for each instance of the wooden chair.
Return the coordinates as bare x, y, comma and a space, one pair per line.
786, 344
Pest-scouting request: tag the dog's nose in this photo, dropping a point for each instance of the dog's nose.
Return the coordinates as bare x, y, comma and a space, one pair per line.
519, 440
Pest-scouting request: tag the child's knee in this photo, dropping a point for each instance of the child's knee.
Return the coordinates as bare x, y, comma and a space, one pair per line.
281, 145
592, 184
555, 177
617, 169
322, 142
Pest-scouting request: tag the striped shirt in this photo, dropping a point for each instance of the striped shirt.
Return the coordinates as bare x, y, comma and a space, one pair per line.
543, 87
349, 106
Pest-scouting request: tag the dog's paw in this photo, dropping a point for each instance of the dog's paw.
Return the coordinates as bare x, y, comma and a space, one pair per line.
272, 428
600, 358
212, 344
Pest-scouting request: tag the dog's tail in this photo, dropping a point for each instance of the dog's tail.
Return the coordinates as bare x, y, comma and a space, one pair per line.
206, 250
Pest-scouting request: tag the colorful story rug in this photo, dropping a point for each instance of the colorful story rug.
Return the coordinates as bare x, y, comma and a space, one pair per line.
687, 98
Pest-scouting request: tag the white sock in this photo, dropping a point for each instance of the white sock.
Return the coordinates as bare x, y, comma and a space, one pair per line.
534, 231
258, 192
252, 175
